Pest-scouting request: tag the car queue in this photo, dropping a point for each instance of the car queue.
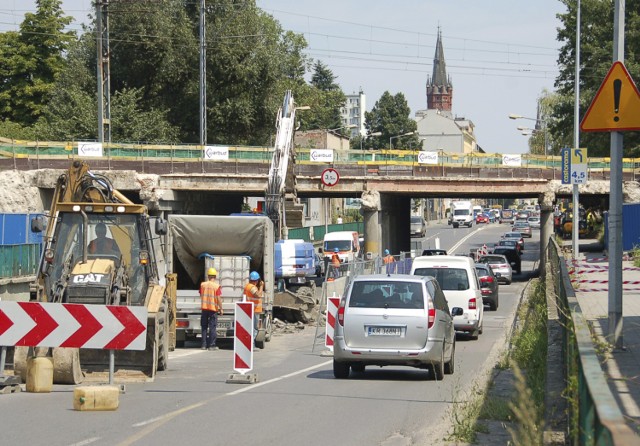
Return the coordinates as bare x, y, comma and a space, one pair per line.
376, 323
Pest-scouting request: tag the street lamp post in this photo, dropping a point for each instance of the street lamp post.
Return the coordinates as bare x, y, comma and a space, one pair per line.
327, 131
400, 136
369, 136
523, 129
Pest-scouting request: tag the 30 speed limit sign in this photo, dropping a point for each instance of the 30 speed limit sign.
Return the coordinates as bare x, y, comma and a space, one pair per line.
330, 177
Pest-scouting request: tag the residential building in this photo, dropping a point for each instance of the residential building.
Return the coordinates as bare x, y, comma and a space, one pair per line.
353, 113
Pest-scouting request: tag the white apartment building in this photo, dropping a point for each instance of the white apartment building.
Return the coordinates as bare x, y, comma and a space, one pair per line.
353, 113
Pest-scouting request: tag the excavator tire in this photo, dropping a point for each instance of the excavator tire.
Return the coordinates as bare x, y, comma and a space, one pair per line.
163, 335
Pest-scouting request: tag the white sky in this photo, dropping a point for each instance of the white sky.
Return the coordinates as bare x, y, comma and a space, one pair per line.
500, 54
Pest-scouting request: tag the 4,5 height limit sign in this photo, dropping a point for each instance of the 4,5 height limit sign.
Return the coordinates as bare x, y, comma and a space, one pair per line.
574, 166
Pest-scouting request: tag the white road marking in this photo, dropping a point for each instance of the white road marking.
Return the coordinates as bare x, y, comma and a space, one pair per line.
457, 245
87, 441
156, 422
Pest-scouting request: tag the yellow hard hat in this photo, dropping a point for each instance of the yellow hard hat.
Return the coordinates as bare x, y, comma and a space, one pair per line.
212, 272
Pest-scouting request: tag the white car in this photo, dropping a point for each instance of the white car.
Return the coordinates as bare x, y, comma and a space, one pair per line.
459, 281
534, 222
396, 319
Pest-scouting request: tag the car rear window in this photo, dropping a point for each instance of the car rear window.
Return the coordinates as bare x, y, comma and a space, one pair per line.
448, 278
392, 294
492, 259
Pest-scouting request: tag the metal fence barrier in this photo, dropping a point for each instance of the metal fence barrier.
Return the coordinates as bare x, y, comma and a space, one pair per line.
596, 419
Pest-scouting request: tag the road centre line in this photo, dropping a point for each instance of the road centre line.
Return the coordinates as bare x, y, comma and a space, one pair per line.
454, 247
154, 423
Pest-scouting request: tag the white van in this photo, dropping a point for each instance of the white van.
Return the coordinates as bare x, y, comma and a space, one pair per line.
459, 282
461, 214
347, 242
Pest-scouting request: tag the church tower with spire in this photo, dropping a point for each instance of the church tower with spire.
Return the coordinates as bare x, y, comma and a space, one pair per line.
439, 88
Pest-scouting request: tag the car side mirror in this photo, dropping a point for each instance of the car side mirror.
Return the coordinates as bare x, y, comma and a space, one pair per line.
457, 311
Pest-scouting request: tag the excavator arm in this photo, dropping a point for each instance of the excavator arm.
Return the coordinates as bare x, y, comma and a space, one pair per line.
279, 169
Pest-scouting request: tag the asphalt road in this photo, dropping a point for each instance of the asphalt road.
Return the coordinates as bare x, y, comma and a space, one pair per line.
296, 400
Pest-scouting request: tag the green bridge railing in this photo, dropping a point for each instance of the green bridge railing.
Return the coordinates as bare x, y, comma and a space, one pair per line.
237, 154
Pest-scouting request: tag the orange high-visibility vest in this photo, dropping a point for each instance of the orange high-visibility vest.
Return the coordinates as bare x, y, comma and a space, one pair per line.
335, 260
210, 296
389, 259
251, 293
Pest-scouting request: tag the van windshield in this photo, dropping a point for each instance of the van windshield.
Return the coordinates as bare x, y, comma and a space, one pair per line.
461, 212
381, 294
342, 245
452, 279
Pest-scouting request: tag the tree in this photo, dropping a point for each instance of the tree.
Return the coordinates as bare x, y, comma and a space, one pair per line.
390, 117
596, 49
325, 100
32, 59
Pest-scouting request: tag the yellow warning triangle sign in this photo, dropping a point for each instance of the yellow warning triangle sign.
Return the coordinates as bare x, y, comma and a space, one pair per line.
616, 106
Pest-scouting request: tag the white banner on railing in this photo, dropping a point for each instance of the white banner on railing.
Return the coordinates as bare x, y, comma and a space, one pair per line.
321, 156
216, 153
90, 149
512, 160
428, 157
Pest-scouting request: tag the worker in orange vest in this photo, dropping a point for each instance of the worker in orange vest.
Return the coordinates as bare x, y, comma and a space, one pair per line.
335, 262
388, 260
254, 292
211, 306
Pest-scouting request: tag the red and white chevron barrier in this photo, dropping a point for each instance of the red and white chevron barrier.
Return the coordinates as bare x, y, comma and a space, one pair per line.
332, 311
243, 340
42, 324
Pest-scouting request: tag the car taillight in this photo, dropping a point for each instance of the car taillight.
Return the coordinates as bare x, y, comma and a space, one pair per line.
472, 303
431, 316
341, 313
486, 279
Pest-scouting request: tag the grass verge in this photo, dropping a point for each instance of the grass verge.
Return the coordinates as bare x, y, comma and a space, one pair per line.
526, 360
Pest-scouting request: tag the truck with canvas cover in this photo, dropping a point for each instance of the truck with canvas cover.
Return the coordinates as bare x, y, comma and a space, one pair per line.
99, 249
234, 246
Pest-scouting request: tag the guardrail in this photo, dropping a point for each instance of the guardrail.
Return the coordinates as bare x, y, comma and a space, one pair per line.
184, 153
596, 418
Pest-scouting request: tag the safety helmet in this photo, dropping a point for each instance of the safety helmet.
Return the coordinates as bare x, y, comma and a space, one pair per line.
212, 272
386, 252
254, 275
336, 250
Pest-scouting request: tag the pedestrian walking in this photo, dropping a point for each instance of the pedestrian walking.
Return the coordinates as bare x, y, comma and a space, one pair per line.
211, 306
254, 292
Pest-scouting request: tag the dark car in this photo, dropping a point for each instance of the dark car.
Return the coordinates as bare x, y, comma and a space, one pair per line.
434, 252
510, 243
512, 256
489, 286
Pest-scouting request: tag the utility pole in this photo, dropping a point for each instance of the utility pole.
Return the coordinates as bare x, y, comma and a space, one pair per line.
203, 78
104, 76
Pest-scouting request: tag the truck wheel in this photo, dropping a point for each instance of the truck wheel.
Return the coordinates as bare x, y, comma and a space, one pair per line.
163, 335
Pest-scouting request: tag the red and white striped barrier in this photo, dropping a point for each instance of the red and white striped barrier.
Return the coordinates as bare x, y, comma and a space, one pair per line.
243, 338
590, 290
46, 324
624, 282
332, 310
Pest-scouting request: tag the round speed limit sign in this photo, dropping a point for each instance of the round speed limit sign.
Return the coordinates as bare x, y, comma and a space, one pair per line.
330, 177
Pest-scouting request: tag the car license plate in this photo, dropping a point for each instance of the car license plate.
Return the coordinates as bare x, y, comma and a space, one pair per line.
223, 325
385, 331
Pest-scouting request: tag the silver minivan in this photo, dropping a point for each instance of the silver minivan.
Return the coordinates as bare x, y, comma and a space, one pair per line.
394, 319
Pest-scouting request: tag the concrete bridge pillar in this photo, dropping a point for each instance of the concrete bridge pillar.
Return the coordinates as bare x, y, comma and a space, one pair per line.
546, 226
370, 207
386, 223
